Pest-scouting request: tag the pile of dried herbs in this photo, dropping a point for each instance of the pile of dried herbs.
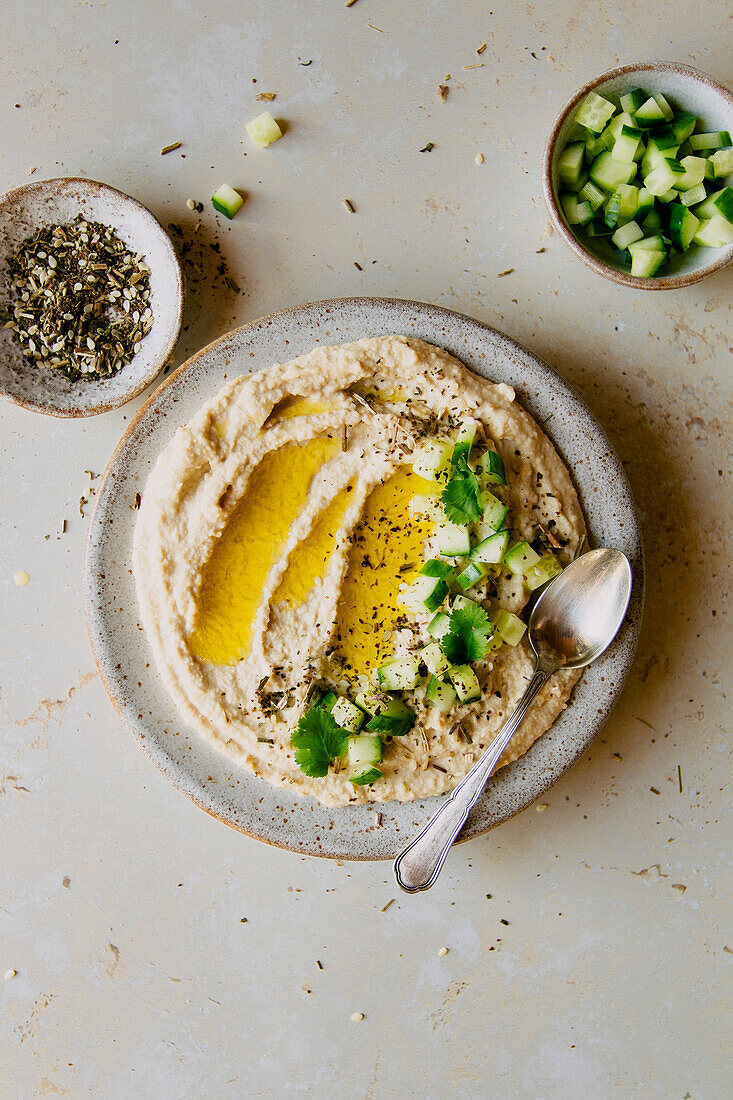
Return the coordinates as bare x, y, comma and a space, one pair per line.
80, 299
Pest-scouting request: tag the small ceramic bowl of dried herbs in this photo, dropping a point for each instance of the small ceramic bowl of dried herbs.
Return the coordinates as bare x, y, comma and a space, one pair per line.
91, 297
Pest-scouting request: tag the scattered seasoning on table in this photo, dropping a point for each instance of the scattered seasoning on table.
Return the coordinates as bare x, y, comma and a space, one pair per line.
477, 65
349, 206
169, 148
679, 777
20, 578
428, 148
481, 48
443, 951
319, 964
503, 273
357, 1017
358, 266
540, 809
479, 158
502, 921
80, 299
266, 97
654, 790
137, 499
540, 250
386, 907
616, 756
377, 818
443, 90
344, 438
10, 974
350, 3
191, 204
243, 920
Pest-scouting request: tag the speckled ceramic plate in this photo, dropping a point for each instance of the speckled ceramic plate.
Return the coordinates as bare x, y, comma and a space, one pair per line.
125, 662
49, 202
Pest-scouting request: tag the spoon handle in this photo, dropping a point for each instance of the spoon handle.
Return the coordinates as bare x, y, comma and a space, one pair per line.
419, 864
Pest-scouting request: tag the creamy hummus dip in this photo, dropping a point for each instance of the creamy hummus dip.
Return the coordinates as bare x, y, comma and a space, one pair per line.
274, 540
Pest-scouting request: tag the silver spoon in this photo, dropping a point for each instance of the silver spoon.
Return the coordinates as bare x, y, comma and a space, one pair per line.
575, 619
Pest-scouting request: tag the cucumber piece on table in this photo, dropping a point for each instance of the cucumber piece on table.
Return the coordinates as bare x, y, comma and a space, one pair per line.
440, 695
263, 129
226, 200
594, 112
682, 226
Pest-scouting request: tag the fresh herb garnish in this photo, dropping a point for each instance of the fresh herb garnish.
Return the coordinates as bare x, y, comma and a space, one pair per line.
392, 725
461, 498
318, 742
468, 636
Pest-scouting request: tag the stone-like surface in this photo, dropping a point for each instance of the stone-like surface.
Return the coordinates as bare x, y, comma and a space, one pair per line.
122, 907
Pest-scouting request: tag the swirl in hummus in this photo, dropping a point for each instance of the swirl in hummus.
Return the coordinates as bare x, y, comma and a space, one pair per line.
274, 541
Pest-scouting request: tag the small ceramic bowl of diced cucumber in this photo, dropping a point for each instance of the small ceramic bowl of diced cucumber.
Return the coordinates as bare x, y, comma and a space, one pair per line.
638, 175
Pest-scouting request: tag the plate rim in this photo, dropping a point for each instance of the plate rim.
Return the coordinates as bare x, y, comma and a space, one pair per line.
157, 754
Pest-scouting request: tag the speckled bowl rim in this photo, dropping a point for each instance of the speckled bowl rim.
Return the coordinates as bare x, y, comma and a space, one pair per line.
165, 353
616, 661
665, 282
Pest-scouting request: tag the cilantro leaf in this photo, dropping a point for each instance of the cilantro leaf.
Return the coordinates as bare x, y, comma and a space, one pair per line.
318, 741
461, 498
468, 635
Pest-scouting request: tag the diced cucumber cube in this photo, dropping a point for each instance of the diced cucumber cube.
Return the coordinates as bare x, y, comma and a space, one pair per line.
629, 145
494, 510
720, 202
464, 440
669, 196
655, 156
721, 163
694, 173
433, 656
664, 107
594, 112
460, 603
627, 234
710, 141
576, 213
609, 174
347, 715
653, 220
714, 233
399, 674
453, 539
465, 681
432, 460
650, 114
570, 164
665, 138
545, 570
364, 750
440, 695
520, 557
434, 567
424, 594
592, 194
645, 264
366, 702
649, 244
326, 701
263, 129
682, 226
683, 126
622, 205
365, 777
509, 627
664, 176
439, 625
472, 574
491, 550
490, 467
226, 200
394, 719
645, 204
693, 196
632, 101
598, 228
425, 506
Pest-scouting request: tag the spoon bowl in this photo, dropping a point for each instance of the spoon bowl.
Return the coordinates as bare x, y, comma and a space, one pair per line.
578, 615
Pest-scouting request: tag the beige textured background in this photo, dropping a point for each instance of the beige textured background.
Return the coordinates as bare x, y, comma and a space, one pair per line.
589, 955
